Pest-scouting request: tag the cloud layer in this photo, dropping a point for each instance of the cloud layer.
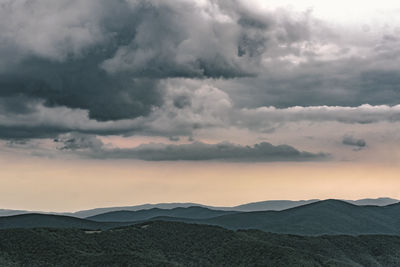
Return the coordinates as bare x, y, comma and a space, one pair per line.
262, 152
189, 69
183, 112
349, 140
107, 57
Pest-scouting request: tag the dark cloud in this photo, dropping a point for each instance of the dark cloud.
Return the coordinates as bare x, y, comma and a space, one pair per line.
68, 73
174, 138
16, 105
250, 22
108, 57
81, 84
182, 101
262, 152
364, 114
349, 81
323, 66
77, 141
185, 111
171, 68
197, 151
166, 46
349, 140
26, 132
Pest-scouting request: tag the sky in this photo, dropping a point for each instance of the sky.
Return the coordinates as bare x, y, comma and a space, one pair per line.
110, 103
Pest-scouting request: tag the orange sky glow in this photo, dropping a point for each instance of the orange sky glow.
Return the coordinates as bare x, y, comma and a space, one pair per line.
54, 185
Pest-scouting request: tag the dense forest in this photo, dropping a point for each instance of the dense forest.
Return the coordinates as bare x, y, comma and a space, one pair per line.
161, 243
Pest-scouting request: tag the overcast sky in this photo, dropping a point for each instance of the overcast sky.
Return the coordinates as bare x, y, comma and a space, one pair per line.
170, 87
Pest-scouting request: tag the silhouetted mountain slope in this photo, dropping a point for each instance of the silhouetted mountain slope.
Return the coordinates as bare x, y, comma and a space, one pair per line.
279, 205
391, 207
179, 244
51, 221
254, 206
382, 201
273, 205
323, 217
129, 216
7, 212
93, 212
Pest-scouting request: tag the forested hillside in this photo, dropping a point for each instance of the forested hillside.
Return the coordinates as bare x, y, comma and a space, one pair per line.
180, 244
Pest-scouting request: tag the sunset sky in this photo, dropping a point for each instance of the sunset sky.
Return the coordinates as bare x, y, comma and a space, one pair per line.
110, 103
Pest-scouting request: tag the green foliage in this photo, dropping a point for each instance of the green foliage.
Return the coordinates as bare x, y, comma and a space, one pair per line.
179, 244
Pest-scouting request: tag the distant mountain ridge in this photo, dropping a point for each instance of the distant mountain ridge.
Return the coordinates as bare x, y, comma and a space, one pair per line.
93, 212
33, 220
7, 212
253, 206
382, 201
333, 217
322, 217
273, 205
193, 212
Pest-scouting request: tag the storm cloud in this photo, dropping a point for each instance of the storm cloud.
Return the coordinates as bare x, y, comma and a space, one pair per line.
262, 152
175, 69
108, 57
183, 112
196, 151
349, 140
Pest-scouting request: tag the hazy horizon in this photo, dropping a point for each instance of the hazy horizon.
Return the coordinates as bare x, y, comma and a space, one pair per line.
197, 203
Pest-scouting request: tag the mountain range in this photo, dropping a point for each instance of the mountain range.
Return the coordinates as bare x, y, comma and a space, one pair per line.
322, 217
33, 220
194, 212
332, 217
276, 205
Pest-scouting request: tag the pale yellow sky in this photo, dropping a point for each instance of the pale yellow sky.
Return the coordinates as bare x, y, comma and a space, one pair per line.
69, 185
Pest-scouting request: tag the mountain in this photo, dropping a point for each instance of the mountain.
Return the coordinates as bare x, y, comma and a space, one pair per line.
273, 205
7, 212
382, 201
179, 244
93, 212
193, 212
33, 220
254, 206
323, 217
287, 204
318, 218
